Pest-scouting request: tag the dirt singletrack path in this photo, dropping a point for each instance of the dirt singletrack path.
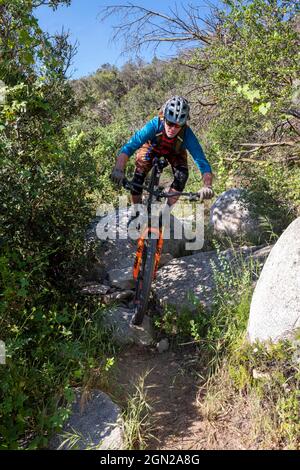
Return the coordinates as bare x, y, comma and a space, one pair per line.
172, 387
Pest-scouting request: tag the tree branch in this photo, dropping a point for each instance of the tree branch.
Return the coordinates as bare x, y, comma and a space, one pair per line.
271, 144
141, 26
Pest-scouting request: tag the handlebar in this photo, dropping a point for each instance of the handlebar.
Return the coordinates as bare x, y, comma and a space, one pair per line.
160, 193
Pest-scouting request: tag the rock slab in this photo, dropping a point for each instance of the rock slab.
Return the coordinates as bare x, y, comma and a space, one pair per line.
95, 423
185, 282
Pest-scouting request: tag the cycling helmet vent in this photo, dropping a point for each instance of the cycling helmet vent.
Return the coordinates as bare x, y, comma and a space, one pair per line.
176, 110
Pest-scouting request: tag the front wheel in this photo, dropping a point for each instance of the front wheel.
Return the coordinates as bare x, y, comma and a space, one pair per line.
144, 281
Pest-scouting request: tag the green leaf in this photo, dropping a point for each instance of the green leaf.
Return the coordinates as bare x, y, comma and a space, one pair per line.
28, 58
25, 38
264, 108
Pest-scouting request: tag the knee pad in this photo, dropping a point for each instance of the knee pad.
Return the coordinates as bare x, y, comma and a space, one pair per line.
181, 175
138, 178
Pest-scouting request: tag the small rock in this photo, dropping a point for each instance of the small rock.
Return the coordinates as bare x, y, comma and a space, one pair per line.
123, 295
118, 296
163, 345
296, 355
122, 278
260, 375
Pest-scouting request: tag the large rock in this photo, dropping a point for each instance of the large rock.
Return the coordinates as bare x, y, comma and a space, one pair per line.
231, 216
112, 253
95, 423
275, 306
185, 282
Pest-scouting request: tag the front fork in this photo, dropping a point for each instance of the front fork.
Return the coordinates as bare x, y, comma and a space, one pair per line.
159, 231
140, 249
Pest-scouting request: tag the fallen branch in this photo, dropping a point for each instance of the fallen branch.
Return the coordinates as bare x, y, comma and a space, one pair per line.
292, 158
271, 144
246, 160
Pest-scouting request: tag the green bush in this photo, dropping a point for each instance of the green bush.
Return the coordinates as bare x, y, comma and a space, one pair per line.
51, 344
47, 178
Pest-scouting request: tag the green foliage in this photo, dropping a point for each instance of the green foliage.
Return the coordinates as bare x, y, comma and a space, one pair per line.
50, 344
130, 95
58, 143
272, 373
272, 195
259, 54
47, 177
253, 66
182, 325
106, 146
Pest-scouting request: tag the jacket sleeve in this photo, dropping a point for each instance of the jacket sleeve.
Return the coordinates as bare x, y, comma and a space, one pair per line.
193, 146
148, 132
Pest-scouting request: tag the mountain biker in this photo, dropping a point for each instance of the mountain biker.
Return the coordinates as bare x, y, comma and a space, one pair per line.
169, 135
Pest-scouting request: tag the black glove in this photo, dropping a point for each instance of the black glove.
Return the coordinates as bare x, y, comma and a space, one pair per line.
117, 176
205, 193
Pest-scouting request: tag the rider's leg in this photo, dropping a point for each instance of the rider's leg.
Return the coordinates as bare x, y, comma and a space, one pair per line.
180, 170
136, 196
136, 199
136, 193
181, 174
180, 178
143, 164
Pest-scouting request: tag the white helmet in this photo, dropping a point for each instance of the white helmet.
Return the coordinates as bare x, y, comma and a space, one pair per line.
177, 110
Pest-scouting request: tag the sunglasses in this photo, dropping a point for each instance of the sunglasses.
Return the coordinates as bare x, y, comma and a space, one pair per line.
172, 124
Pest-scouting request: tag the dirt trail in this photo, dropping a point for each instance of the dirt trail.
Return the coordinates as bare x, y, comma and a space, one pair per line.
172, 388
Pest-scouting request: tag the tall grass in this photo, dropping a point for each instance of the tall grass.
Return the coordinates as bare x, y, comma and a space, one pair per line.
137, 418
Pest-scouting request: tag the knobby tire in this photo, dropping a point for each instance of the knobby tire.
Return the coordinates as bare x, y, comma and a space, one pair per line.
144, 281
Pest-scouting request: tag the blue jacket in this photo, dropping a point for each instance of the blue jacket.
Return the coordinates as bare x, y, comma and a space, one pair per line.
149, 131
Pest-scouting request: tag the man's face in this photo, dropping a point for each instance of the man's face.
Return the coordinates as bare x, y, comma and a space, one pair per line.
171, 129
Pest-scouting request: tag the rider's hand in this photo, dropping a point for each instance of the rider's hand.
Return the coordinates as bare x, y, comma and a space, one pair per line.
205, 193
117, 176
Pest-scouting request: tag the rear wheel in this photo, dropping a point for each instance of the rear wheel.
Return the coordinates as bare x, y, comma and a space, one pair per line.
144, 281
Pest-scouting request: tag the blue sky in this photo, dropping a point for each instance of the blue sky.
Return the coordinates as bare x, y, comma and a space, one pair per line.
94, 37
